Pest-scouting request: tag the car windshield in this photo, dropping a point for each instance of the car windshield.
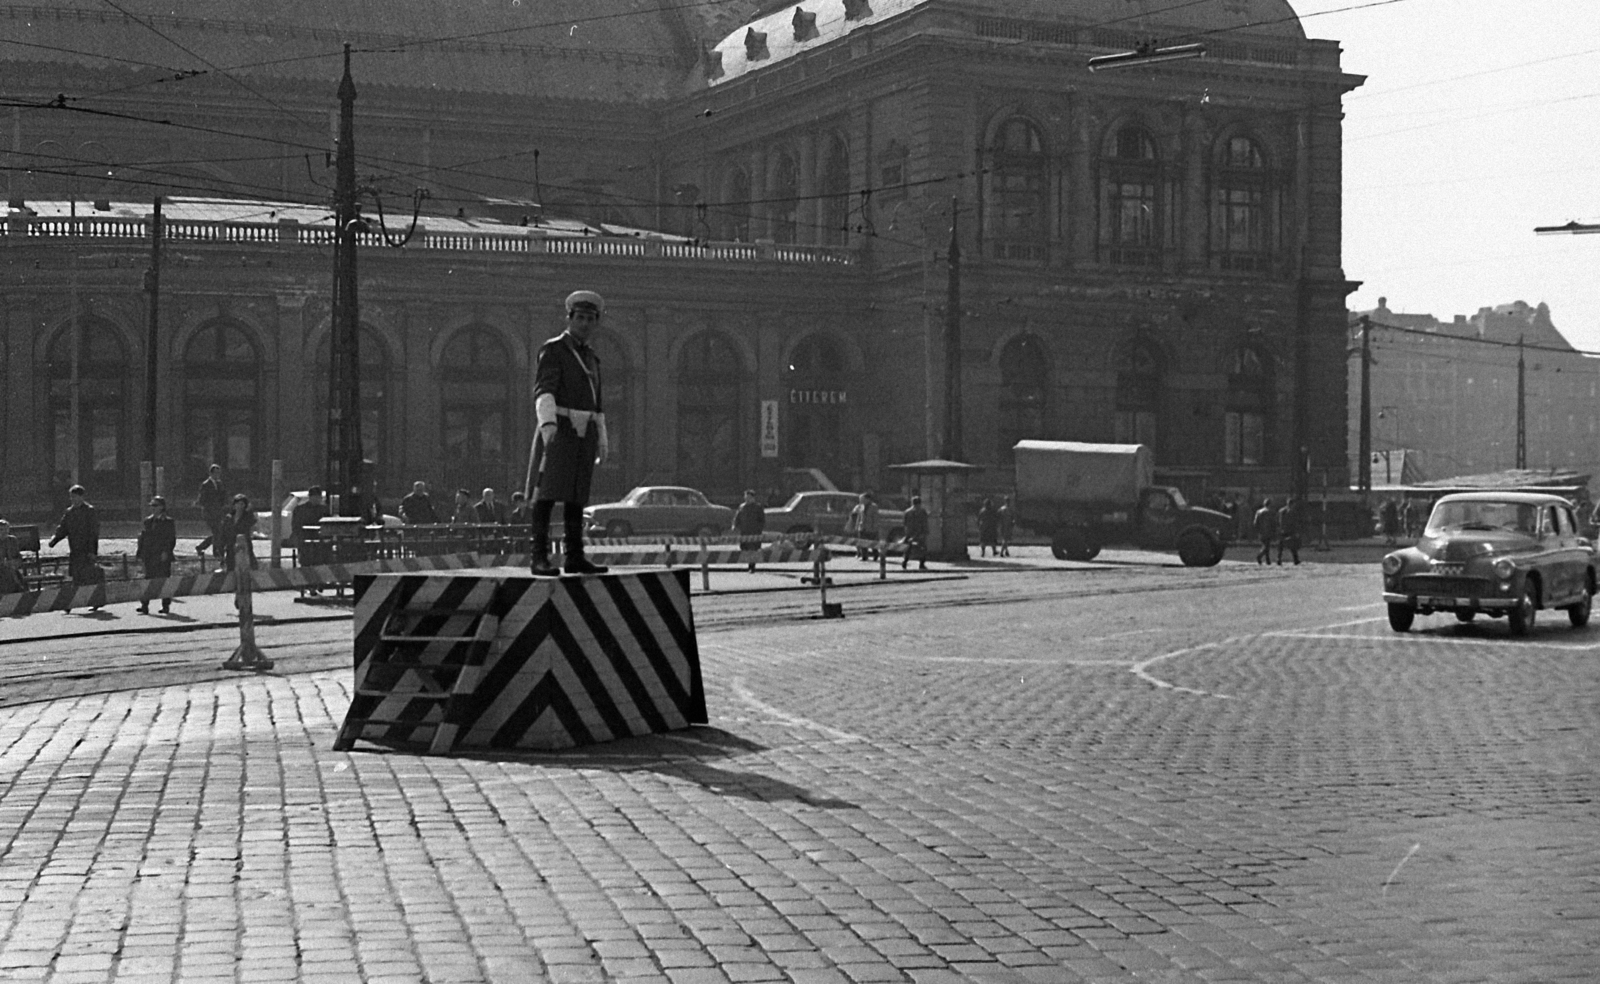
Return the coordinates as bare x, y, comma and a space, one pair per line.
1518, 517
794, 501
633, 498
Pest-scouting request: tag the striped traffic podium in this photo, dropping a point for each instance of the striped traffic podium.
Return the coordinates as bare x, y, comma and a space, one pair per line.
495, 658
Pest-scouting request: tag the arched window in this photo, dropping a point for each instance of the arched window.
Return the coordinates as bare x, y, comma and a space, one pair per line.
1132, 199
736, 207
374, 409
1247, 417
1019, 190
710, 376
475, 398
611, 478
221, 397
786, 200
835, 188
816, 413
1139, 395
1241, 206
1024, 381
95, 452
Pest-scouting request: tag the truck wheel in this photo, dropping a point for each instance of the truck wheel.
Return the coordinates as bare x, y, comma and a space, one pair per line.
1199, 548
1072, 545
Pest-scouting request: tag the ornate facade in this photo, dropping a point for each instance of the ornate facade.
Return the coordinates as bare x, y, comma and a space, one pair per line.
1149, 254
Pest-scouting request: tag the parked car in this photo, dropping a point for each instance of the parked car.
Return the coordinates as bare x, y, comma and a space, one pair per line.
652, 509
827, 513
1501, 554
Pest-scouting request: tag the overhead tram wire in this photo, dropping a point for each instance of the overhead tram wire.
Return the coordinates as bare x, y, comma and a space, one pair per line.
1439, 335
422, 168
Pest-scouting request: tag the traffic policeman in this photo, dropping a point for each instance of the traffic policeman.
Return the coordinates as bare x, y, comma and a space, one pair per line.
572, 433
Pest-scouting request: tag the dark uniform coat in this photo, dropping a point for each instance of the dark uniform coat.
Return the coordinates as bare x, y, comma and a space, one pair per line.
80, 527
569, 370
158, 538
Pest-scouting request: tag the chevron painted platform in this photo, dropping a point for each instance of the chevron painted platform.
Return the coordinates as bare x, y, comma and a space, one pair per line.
572, 661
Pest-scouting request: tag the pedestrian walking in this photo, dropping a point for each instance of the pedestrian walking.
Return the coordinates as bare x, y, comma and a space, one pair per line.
1289, 531
305, 531
988, 528
571, 434
863, 524
1266, 527
416, 509
10, 562
1389, 515
239, 521
80, 527
213, 503
158, 539
749, 522
1008, 521
488, 510
916, 527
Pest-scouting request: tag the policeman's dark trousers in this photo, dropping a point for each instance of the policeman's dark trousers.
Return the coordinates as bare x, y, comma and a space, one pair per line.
571, 521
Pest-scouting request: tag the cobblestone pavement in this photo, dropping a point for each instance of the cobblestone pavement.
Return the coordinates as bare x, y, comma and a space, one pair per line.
1236, 778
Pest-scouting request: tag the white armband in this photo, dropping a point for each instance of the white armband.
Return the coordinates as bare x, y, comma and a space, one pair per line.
544, 408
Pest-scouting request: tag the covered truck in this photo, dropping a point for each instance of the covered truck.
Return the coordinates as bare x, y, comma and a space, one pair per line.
1086, 496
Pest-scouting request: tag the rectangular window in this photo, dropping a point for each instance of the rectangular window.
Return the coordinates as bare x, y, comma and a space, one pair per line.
1244, 439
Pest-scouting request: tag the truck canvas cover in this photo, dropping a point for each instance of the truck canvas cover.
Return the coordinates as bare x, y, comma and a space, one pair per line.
1074, 472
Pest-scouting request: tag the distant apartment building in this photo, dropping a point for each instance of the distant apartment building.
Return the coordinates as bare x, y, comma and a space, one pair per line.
1444, 394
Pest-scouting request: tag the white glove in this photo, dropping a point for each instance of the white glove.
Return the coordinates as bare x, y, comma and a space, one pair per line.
603, 448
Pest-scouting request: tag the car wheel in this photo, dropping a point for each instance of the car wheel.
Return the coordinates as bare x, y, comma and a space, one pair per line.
617, 528
1401, 617
1579, 613
1199, 548
1465, 616
1526, 611
1072, 545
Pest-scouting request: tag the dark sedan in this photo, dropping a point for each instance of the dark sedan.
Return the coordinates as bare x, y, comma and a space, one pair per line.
1500, 554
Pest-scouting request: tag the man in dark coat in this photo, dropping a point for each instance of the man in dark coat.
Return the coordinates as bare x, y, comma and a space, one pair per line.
916, 527
750, 522
1289, 531
489, 509
213, 503
158, 538
80, 527
572, 433
417, 508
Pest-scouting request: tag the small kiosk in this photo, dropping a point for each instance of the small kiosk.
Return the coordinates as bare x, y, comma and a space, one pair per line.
942, 485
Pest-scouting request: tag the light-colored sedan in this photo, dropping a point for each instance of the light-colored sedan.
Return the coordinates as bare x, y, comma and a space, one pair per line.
827, 514
1501, 554
656, 509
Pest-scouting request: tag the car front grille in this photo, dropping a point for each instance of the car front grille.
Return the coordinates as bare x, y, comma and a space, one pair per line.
1447, 570
1447, 587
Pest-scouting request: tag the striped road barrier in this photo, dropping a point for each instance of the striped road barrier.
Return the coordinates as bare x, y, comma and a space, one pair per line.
631, 552
477, 660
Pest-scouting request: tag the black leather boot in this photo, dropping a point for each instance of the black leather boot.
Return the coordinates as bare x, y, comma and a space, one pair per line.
539, 546
577, 563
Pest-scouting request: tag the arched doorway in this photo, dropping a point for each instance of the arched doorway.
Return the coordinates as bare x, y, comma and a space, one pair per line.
475, 400
613, 478
95, 454
1139, 372
710, 378
221, 400
816, 431
1024, 381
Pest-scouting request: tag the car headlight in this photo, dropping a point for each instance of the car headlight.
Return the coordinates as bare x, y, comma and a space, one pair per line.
1392, 564
1504, 568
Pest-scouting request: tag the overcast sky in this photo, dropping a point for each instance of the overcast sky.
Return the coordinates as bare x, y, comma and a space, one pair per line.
1479, 120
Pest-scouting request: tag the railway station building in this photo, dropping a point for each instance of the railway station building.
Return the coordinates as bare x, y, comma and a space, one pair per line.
763, 192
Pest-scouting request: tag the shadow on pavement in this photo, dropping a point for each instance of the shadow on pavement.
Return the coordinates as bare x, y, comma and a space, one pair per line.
677, 754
